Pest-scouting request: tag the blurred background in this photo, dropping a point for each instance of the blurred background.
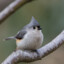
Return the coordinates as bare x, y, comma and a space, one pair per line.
50, 15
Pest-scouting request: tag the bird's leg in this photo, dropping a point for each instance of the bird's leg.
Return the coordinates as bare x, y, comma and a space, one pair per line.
36, 52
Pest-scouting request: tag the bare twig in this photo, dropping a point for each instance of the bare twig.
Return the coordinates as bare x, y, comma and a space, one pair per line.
28, 56
11, 9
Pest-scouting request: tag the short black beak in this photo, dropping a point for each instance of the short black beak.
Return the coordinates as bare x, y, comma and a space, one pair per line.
39, 28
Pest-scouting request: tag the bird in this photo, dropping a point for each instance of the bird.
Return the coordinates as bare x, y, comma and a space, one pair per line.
30, 37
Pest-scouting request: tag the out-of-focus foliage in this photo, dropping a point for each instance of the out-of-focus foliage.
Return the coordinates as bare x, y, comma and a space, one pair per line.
50, 15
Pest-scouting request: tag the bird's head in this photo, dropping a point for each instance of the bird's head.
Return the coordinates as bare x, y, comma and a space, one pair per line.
33, 25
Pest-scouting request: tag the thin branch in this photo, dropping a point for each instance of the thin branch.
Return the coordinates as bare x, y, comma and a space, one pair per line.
28, 56
12, 8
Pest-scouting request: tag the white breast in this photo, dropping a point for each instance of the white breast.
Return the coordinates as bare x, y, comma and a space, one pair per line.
31, 41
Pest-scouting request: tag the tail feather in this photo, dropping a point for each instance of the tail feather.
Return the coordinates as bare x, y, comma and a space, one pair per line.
9, 38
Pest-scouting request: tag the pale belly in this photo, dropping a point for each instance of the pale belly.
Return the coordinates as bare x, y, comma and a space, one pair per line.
31, 41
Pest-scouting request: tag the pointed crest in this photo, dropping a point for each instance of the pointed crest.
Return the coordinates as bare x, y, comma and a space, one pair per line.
33, 22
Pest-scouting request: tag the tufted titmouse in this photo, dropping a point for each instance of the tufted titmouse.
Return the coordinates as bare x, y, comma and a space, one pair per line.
30, 37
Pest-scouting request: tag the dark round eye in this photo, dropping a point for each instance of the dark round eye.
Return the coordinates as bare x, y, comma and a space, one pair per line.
34, 27
38, 26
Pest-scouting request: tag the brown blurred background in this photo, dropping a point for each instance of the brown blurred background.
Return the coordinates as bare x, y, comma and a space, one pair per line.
50, 15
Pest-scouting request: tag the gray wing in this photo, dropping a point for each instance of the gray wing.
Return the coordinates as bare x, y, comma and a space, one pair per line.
21, 34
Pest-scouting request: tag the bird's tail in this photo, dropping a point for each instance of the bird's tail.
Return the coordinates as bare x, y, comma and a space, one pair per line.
9, 38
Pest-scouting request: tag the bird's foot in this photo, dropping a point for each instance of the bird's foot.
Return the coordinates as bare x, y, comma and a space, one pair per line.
36, 52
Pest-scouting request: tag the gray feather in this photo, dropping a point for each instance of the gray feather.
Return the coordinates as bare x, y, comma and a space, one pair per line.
32, 23
22, 32
9, 38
